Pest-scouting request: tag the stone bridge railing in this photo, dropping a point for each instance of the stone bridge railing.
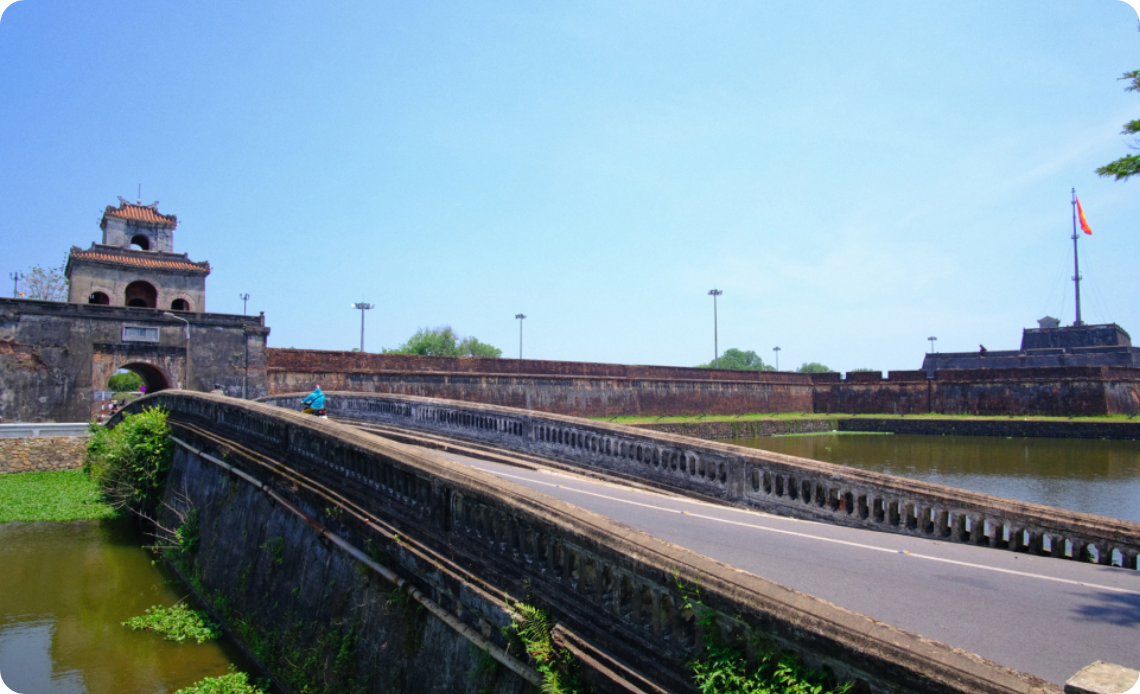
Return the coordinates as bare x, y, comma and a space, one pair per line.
642, 606
771, 482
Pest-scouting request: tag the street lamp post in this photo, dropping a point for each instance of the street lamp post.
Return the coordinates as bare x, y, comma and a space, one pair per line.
777, 351
714, 293
932, 339
244, 302
15, 277
186, 385
363, 307
520, 316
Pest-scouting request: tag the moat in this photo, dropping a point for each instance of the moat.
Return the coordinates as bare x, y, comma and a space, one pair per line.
1092, 476
65, 589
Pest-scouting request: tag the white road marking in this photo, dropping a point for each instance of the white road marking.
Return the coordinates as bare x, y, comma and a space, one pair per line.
809, 536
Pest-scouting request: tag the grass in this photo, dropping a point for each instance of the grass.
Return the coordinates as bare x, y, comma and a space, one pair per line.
66, 495
778, 416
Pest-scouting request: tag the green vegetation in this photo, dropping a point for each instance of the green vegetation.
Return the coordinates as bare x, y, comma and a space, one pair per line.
125, 382
557, 666
66, 495
178, 623
443, 342
233, 683
738, 360
814, 367
724, 670
1128, 165
130, 461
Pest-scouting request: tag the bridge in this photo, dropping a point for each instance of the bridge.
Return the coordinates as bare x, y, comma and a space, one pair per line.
642, 546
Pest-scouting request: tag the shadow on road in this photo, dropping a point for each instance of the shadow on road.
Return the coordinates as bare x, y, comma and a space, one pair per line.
1122, 609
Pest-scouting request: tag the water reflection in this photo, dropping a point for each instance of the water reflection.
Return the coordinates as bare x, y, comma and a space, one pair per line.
65, 588
1101, 477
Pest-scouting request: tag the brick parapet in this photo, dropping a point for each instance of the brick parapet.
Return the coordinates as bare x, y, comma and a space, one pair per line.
318, 361
41, 454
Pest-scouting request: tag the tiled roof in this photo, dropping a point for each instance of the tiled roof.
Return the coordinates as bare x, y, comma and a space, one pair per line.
140, 214
143, 259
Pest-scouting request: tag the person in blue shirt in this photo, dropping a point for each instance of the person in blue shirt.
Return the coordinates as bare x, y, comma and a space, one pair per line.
315, 402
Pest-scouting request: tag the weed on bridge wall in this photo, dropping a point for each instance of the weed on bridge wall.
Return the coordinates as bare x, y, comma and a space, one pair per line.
132, 460
310, 614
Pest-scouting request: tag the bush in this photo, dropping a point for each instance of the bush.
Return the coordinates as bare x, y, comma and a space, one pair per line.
443, 342
131, 461
725, 671
814, 367
127, 381
233, 683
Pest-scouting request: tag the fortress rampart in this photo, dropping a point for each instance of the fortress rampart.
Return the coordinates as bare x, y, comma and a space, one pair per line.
604, 390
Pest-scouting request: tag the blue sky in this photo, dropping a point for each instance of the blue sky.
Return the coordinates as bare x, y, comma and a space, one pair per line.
854, 176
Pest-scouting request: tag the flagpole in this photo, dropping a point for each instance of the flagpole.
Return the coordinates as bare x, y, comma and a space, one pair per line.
1076, 264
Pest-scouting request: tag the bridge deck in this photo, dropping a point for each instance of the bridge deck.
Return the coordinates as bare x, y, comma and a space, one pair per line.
1048, 617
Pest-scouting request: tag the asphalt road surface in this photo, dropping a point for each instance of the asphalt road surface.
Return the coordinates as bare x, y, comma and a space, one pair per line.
1048, 617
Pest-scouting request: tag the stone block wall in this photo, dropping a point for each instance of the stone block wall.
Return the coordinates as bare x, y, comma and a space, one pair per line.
40, 454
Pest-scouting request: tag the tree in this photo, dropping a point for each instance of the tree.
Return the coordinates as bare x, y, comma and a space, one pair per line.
125, 382
46, 285
738, 360
443, 342
814, 368
1128, 165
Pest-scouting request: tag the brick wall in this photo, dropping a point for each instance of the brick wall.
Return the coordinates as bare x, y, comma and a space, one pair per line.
600, 390
41, 453
311, 360
576, 396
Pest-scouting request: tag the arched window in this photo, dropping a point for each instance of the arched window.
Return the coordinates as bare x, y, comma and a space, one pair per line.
141, 294
141, 241
180, 305
99, 298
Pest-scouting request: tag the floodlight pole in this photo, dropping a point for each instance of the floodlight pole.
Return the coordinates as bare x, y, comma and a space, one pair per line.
186, 385
244, 303
520, 316
932, 339
714, 293
777, 351
363, 307
15, 277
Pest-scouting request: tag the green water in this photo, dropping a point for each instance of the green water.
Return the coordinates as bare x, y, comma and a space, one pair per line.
64, 590
1093, 476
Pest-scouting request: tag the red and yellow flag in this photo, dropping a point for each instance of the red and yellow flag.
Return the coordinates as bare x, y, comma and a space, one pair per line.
1084, 222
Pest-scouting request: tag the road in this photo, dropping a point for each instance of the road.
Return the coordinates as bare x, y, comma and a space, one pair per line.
1048, 617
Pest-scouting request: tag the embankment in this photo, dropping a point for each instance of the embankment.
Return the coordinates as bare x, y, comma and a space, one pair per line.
1006, 428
